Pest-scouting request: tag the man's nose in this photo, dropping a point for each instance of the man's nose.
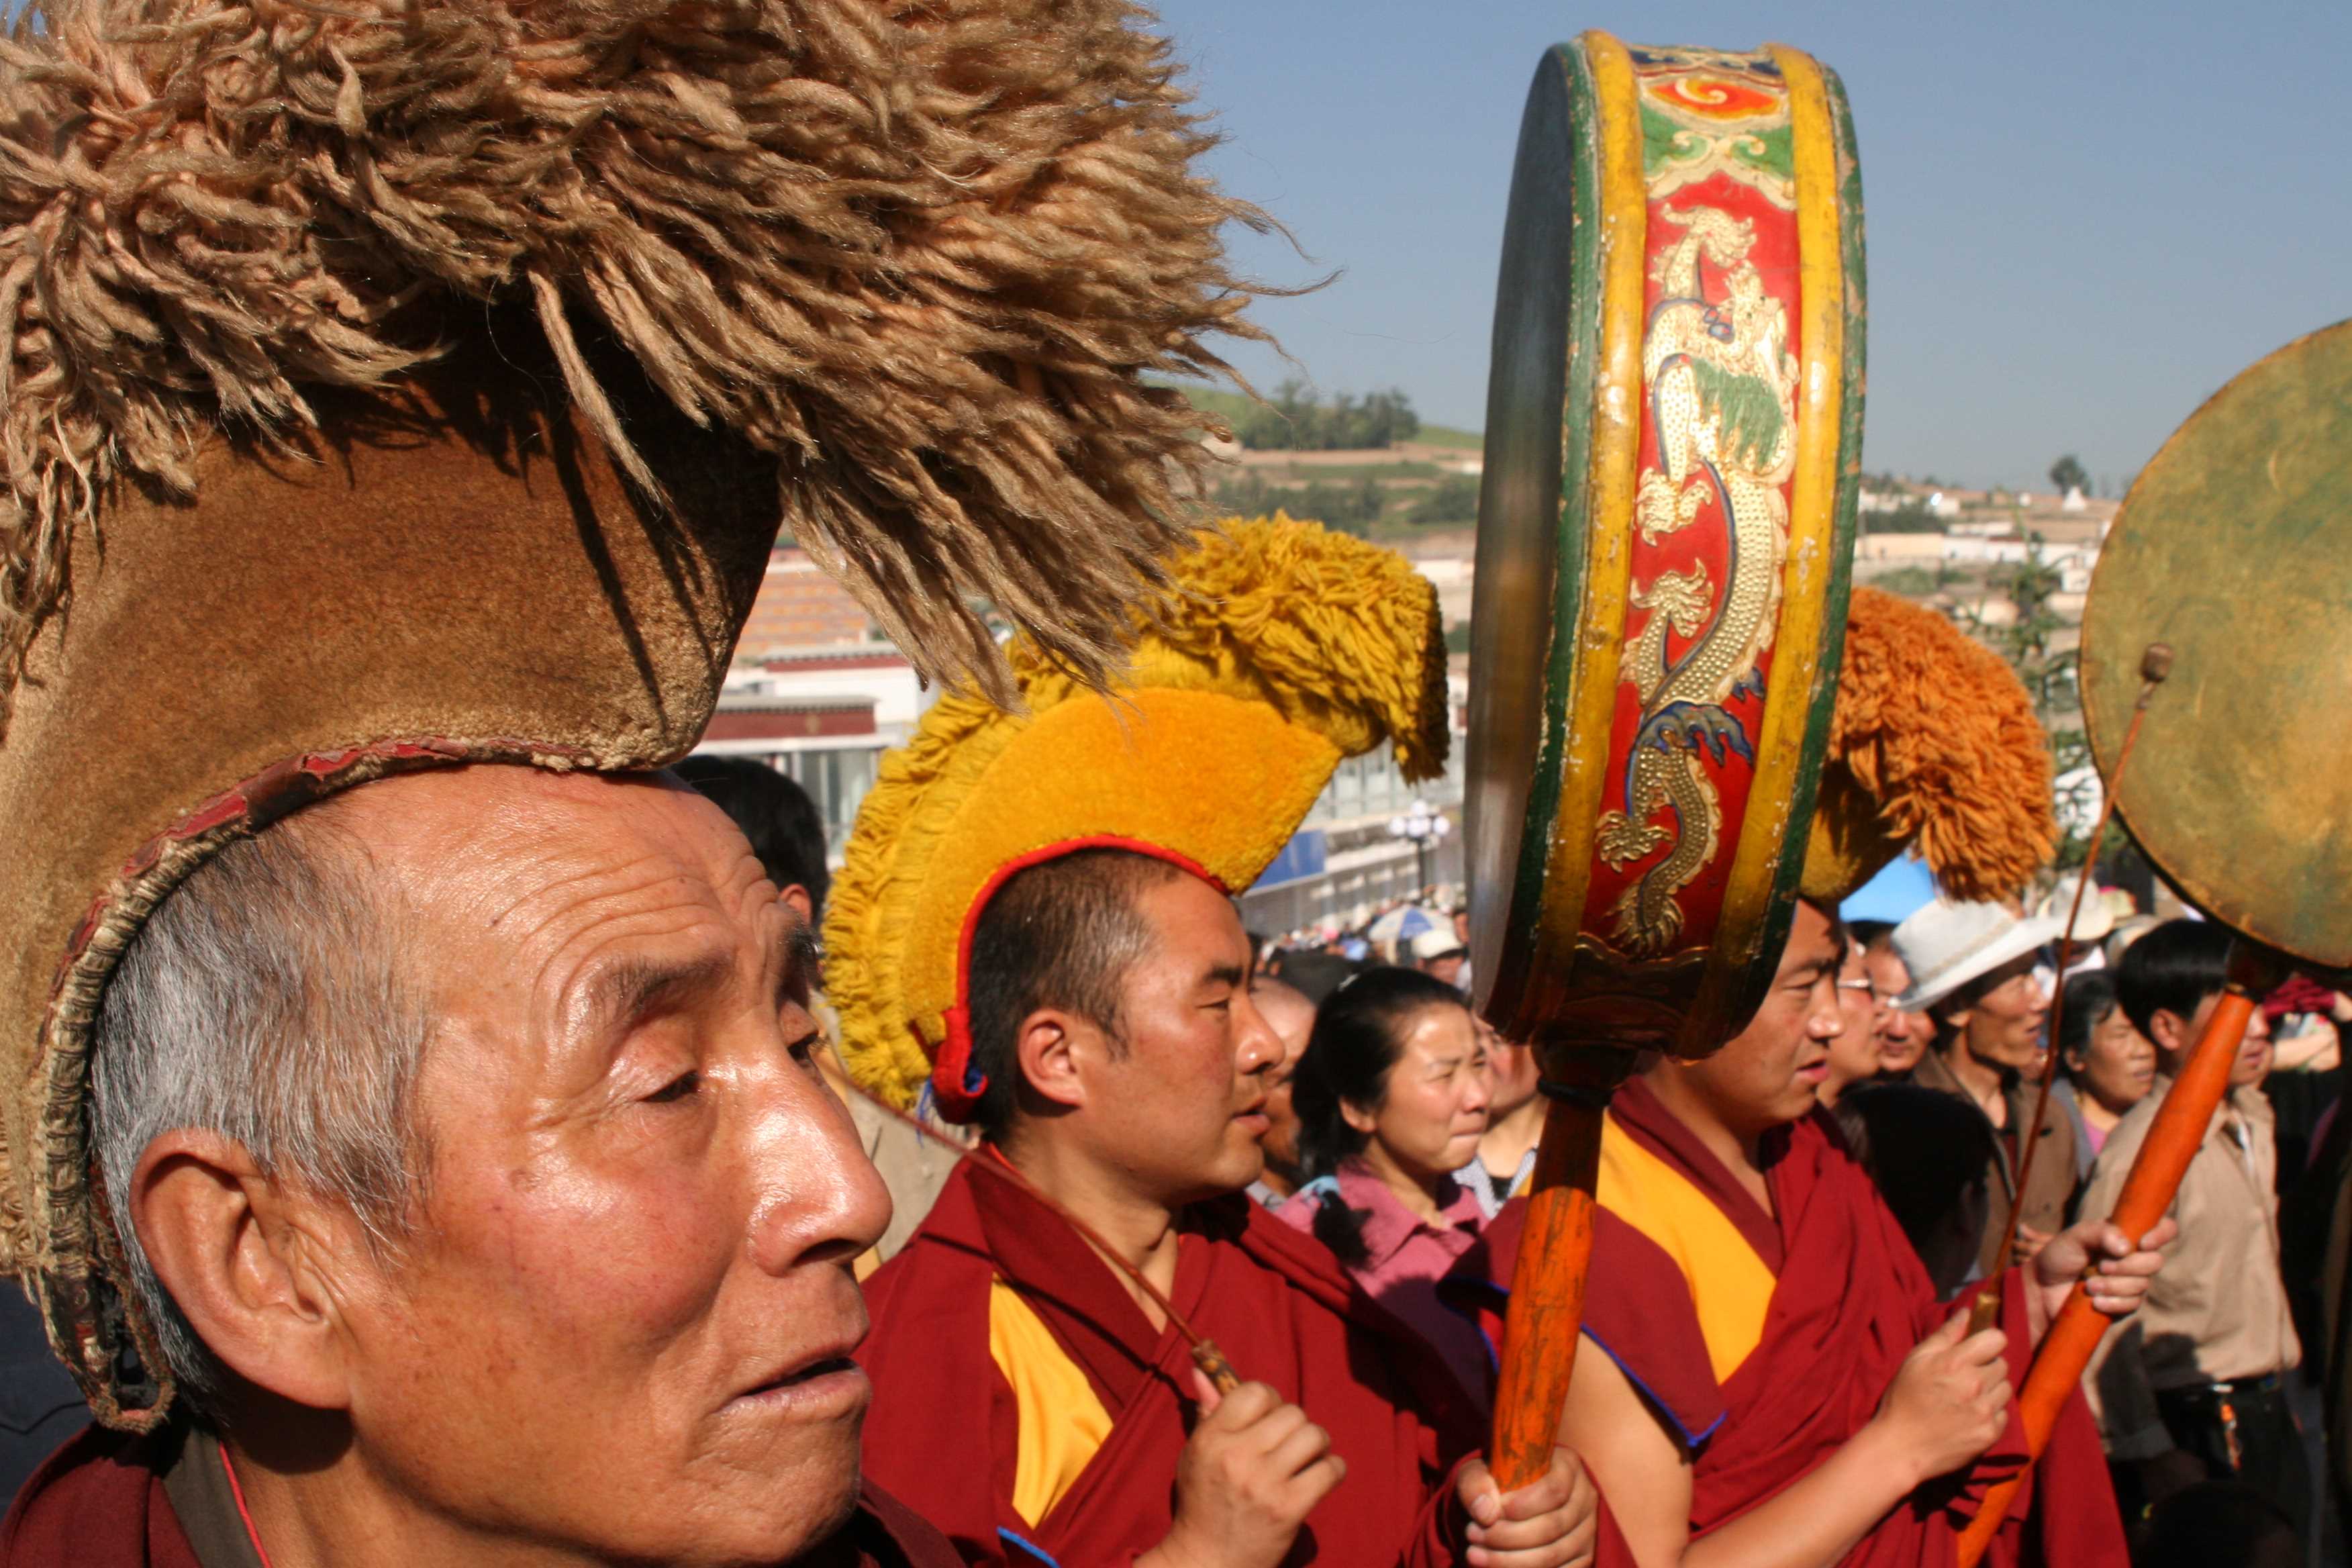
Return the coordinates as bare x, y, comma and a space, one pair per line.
814, 1194
1257, 1047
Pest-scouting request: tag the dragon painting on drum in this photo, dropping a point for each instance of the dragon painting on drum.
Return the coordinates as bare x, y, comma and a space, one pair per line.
1719, 377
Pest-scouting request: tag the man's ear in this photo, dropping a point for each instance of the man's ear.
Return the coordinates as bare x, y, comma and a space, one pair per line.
802, 905
243, 1260
1053, 1047
2170, 1031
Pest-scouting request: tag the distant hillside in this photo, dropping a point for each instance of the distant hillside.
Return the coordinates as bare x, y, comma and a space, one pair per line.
1231, 406
1447, 436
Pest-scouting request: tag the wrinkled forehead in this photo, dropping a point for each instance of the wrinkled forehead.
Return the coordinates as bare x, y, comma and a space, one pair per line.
517, 854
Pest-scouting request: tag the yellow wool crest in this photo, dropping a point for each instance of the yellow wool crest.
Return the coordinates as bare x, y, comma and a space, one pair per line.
1280, 649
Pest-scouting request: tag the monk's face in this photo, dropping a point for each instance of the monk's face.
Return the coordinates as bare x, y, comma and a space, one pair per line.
1771, 1072
625, 1318
1180, 1110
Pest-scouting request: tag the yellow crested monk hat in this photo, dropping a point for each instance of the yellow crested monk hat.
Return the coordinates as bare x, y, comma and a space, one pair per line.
1280, 649
392, 386
1933, 745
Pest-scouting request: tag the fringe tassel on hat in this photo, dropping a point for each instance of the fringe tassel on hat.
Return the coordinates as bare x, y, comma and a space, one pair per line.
1940, 733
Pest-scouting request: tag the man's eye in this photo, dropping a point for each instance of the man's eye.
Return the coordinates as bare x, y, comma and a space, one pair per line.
803, 1050
678, 1088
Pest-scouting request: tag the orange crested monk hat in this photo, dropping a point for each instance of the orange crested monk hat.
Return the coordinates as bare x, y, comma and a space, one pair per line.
395, 386
1934, 744
1280, 649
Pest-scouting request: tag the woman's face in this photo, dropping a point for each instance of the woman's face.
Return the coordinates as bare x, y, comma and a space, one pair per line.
1435, 1110
2117, 1066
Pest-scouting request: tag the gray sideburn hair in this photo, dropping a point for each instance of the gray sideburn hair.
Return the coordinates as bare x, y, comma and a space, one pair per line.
266, 1000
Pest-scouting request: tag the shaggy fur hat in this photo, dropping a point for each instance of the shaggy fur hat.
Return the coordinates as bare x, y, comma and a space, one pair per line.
399, 385
1284, 649
922, 252
1934, 743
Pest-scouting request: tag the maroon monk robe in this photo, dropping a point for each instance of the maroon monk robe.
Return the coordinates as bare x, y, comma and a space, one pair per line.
1851, 1301
943, 1430
107, 1499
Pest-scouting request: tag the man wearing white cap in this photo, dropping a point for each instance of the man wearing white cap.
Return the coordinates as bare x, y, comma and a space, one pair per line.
1972, 974
1438, 952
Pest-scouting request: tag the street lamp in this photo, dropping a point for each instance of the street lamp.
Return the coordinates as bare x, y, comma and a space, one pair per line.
1425, 827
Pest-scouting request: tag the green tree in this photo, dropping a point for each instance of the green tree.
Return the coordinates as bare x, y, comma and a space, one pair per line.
1293, 420
1911, 517
2051, 675
1454, 498
2068, 474
1346, 507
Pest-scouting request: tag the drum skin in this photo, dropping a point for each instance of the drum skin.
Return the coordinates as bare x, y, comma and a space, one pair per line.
1665, 529
2231, 549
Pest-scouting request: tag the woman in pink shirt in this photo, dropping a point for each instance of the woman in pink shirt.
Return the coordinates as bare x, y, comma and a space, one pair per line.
2110, 1066
1391, 1098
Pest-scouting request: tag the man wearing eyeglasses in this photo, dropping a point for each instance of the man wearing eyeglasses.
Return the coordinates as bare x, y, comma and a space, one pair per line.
1853, 1051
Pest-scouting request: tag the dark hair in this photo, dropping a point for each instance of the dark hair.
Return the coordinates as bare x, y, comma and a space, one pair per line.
1319, 974
2090, 997
1867, 934
774, 813
2172, 969
1923, 1147
1359, 1034
1062, 934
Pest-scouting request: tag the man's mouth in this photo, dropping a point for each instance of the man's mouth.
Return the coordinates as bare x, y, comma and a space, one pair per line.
828, 1385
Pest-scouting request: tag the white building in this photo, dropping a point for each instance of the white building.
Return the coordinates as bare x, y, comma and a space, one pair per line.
822, 717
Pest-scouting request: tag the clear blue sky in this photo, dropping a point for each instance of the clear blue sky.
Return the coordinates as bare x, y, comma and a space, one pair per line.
2083, 218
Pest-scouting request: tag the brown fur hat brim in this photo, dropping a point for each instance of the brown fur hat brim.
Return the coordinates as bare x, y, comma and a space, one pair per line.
923, 252
1934, 743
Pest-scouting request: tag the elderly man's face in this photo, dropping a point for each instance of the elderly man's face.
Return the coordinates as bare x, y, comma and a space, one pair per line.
625, 1317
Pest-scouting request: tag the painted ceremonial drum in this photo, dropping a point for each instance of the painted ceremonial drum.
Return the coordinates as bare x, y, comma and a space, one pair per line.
2231, 551
1666, 526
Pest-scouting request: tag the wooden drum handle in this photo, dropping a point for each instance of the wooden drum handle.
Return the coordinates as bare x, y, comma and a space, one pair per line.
1546, 1308
2172, 1141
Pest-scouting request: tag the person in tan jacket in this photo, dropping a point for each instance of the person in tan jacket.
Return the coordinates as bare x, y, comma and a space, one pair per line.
1971, 970
2191, 1389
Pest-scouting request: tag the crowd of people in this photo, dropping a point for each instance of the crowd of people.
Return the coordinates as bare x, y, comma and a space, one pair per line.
447, 1122
1398, 1127
1932, 1066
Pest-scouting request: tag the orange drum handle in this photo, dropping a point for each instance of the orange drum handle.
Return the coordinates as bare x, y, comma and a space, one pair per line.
2179, 1131
1547, 1309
